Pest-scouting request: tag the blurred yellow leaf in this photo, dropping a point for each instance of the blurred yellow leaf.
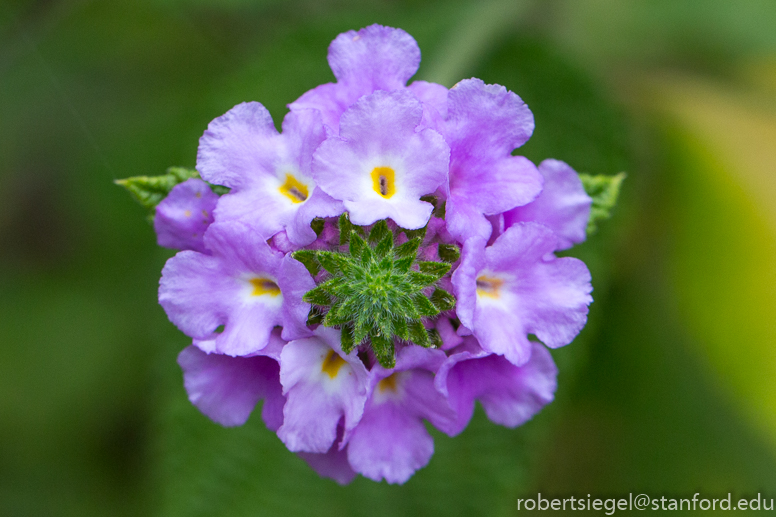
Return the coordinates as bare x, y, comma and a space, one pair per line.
723, 256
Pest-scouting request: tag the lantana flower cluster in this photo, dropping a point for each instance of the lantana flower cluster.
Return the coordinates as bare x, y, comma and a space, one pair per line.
383, 260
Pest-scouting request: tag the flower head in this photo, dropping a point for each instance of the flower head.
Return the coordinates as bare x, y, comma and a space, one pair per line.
383, 261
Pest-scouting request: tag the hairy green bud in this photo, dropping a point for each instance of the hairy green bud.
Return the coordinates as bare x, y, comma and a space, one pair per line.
375, 292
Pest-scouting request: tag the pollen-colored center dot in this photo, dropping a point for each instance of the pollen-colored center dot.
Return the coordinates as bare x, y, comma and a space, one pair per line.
294, 189
488, 286
332, 364
383, 181
387, 384
262, 286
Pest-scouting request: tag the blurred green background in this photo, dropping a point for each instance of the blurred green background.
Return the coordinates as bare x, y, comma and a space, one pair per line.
670, 389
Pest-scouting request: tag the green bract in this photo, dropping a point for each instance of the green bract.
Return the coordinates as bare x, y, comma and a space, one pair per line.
377, 291
604, 190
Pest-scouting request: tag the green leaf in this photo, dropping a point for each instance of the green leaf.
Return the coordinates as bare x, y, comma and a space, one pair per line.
317, 225
436, 269
443, 300
385, 245
400, 328
385, 324
367, 255
333, 318
429, 199
346, 339
416, 234
331, 261
403, 265
332, 286
604, 190
149, 191
384, 351
379, 231
449, 252
317, 296
385, 265
315, 317
345, 227
418, 334
407, 308
309, 259
408, 249
424, 306
375, 294
435, 338
362, 327
357, 245
440, 209
421, 280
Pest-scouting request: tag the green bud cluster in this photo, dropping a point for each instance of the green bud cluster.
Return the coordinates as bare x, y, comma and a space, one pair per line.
376, 292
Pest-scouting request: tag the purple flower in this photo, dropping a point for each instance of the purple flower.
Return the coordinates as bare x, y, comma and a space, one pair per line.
484, 124
380, 165
243, 285
322, 385
518, 287
226, 388
183, 216
391, 442
374, 58
563, 206
269, 173
510, 395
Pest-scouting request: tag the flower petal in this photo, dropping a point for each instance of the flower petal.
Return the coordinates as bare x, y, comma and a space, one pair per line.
226, 389
486, 119
389, 444
563, 205
236, 145
332, 464
510, 395
383, 58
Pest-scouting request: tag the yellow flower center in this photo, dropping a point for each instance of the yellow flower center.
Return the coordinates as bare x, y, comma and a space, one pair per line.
487, 286
262, 286
294, 189
383, 181
388, 384
332, 364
